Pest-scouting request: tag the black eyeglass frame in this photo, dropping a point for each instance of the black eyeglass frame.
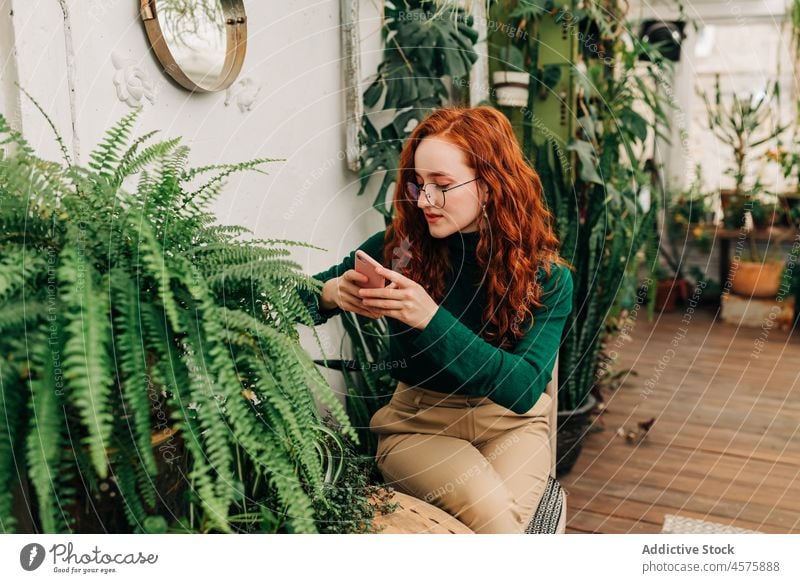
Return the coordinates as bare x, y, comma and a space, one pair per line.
443, 190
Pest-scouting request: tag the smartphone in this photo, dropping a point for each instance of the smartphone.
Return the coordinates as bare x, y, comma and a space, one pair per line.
367, 265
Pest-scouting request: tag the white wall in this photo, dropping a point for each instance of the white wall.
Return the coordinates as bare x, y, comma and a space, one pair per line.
61, 52
8, 69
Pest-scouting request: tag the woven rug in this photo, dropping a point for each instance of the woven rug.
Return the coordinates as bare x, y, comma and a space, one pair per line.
683, 525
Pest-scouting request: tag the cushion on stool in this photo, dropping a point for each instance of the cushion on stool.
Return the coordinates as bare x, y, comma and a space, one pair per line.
547, 517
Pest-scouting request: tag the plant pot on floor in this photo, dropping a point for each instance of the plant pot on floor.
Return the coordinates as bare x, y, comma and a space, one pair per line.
572, 427
756, 279
668, 291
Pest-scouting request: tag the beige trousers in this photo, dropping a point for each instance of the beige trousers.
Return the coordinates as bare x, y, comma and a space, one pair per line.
480, 462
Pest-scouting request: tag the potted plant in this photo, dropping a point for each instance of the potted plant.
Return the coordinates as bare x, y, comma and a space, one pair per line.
766, 214
669, 289
515, 56
511, 82
690, 207
739, 124
789, 161
755, 275
129, 320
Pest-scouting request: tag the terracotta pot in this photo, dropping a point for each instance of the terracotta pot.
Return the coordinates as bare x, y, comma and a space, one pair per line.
752, 278
668, 291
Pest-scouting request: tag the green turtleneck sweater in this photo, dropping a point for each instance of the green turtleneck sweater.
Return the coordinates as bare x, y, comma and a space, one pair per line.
449, 355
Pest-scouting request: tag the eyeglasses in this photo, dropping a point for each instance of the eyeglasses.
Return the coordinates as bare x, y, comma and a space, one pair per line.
436, 197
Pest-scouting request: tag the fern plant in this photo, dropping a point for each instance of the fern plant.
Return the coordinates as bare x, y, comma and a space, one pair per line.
129, 318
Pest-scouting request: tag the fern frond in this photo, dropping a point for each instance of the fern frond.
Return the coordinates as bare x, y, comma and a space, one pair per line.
45, 437
18, 314
290, 363
227, 168
14, 138
226, 171
207, 435
296, 506
125, 480
131, 163
105, 157
13, 402
126, 466
153, 257
32, 190
17, 266
129, 352
289, 414
86, 364
59, 139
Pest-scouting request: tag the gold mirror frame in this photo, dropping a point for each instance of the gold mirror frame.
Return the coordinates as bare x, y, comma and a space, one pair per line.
236, 36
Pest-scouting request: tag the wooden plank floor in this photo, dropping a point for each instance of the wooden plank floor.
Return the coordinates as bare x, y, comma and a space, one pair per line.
725, 446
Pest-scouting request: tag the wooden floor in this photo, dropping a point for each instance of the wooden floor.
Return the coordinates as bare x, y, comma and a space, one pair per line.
725, 446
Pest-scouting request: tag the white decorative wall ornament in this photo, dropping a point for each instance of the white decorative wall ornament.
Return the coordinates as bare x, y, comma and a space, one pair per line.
244, 92
131, 82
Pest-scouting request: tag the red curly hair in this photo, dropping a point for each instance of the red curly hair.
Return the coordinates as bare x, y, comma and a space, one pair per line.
520, 225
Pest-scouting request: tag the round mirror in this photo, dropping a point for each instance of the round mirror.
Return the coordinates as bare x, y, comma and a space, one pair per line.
200, 43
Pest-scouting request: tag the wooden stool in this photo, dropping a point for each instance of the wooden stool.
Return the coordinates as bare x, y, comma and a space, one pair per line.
414, 516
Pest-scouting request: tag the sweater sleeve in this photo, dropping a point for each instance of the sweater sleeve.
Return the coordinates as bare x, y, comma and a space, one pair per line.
372, 247
514, 379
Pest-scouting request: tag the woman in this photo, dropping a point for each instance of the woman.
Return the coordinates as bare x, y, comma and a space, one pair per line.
476, 305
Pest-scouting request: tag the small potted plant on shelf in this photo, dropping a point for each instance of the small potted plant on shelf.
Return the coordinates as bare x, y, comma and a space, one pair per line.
766, 214
788, 157
690, 211
510, 78
671, 286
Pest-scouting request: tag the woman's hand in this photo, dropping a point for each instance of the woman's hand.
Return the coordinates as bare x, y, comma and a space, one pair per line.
403, 299
342, 292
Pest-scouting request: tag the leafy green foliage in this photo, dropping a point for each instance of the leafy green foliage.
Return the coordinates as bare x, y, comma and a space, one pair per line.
131, 318
604, 231
423, 43
369, 388
352, 500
